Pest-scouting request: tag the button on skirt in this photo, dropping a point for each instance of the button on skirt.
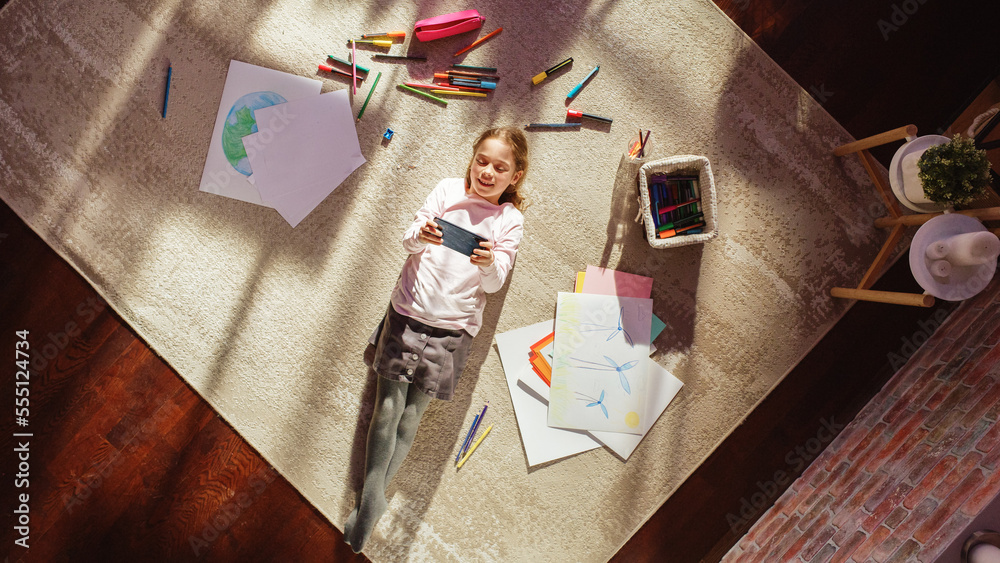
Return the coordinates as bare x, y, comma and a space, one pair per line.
429, 357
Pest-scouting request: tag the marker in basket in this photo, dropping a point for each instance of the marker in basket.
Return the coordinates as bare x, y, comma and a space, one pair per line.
579, 114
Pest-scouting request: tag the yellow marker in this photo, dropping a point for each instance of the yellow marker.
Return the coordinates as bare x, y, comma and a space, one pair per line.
376, 42
544, 74
474, 446
455, 93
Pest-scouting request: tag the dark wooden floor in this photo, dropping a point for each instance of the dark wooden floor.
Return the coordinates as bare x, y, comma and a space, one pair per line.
127, 462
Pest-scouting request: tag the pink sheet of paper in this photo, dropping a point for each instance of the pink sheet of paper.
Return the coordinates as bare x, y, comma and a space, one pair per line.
605, 281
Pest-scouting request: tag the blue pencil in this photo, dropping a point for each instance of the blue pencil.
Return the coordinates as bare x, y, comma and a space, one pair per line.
465, 443
166, 93
476, 425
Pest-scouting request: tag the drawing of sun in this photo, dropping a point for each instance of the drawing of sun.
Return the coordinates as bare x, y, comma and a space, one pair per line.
632, 419
240, 122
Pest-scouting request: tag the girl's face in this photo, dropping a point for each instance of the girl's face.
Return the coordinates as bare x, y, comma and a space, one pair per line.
493, 170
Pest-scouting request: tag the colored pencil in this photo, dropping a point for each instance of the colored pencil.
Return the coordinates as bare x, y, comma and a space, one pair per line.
432, 86
424, 94
354, 69
166, 93
480, 40
460, 93
370, 90
468, 436
452, 86
348, 63
553, 125
485, 68
400, 57
475, 426
474, 446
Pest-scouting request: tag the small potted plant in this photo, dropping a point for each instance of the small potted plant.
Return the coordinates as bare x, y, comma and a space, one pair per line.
954, 173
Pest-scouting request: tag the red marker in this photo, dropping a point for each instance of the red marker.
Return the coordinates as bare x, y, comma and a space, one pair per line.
578, 114
329, 68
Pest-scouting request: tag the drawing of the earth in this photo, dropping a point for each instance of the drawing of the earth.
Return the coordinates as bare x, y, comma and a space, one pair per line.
240, 122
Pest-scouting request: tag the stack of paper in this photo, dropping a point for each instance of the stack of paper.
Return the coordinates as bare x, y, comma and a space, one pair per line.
278, 142
590, 353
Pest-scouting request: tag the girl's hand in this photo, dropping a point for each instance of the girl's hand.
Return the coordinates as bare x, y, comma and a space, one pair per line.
483, 256
430, 234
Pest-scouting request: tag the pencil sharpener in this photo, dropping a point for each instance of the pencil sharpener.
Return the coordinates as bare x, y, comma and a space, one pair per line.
388, 134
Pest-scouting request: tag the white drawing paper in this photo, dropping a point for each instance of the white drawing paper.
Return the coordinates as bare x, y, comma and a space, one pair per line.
541, 443
662, 387
600, 363
307, 148
248, 88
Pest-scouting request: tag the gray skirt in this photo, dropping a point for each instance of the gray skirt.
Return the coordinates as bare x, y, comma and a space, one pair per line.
429, 357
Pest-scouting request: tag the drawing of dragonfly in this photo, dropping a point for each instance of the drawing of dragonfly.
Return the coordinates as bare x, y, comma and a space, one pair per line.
594, 402
611, 366
615, 330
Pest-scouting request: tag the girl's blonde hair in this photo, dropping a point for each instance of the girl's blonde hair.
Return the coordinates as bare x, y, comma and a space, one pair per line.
518, 144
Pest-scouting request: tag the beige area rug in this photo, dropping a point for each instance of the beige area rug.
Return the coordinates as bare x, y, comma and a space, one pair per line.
269, 323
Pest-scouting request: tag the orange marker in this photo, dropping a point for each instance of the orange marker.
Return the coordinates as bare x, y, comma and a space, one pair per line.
386, 34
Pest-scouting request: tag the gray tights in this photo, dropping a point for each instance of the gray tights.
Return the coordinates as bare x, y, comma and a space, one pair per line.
398, 409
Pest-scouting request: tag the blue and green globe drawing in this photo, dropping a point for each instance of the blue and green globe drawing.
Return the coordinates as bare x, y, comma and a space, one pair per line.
240, 122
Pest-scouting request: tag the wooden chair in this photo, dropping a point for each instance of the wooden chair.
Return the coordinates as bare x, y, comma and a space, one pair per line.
897, 222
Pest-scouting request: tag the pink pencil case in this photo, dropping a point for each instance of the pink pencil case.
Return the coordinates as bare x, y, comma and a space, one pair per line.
448, 24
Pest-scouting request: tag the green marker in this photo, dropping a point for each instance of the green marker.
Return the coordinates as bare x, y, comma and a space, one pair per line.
348, 63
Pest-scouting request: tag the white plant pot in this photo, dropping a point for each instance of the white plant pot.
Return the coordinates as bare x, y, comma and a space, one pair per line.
913, 189
903, 177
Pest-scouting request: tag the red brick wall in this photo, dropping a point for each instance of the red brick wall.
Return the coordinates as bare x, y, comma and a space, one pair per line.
919, 462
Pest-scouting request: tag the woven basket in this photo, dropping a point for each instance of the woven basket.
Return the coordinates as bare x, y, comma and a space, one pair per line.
706, 185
